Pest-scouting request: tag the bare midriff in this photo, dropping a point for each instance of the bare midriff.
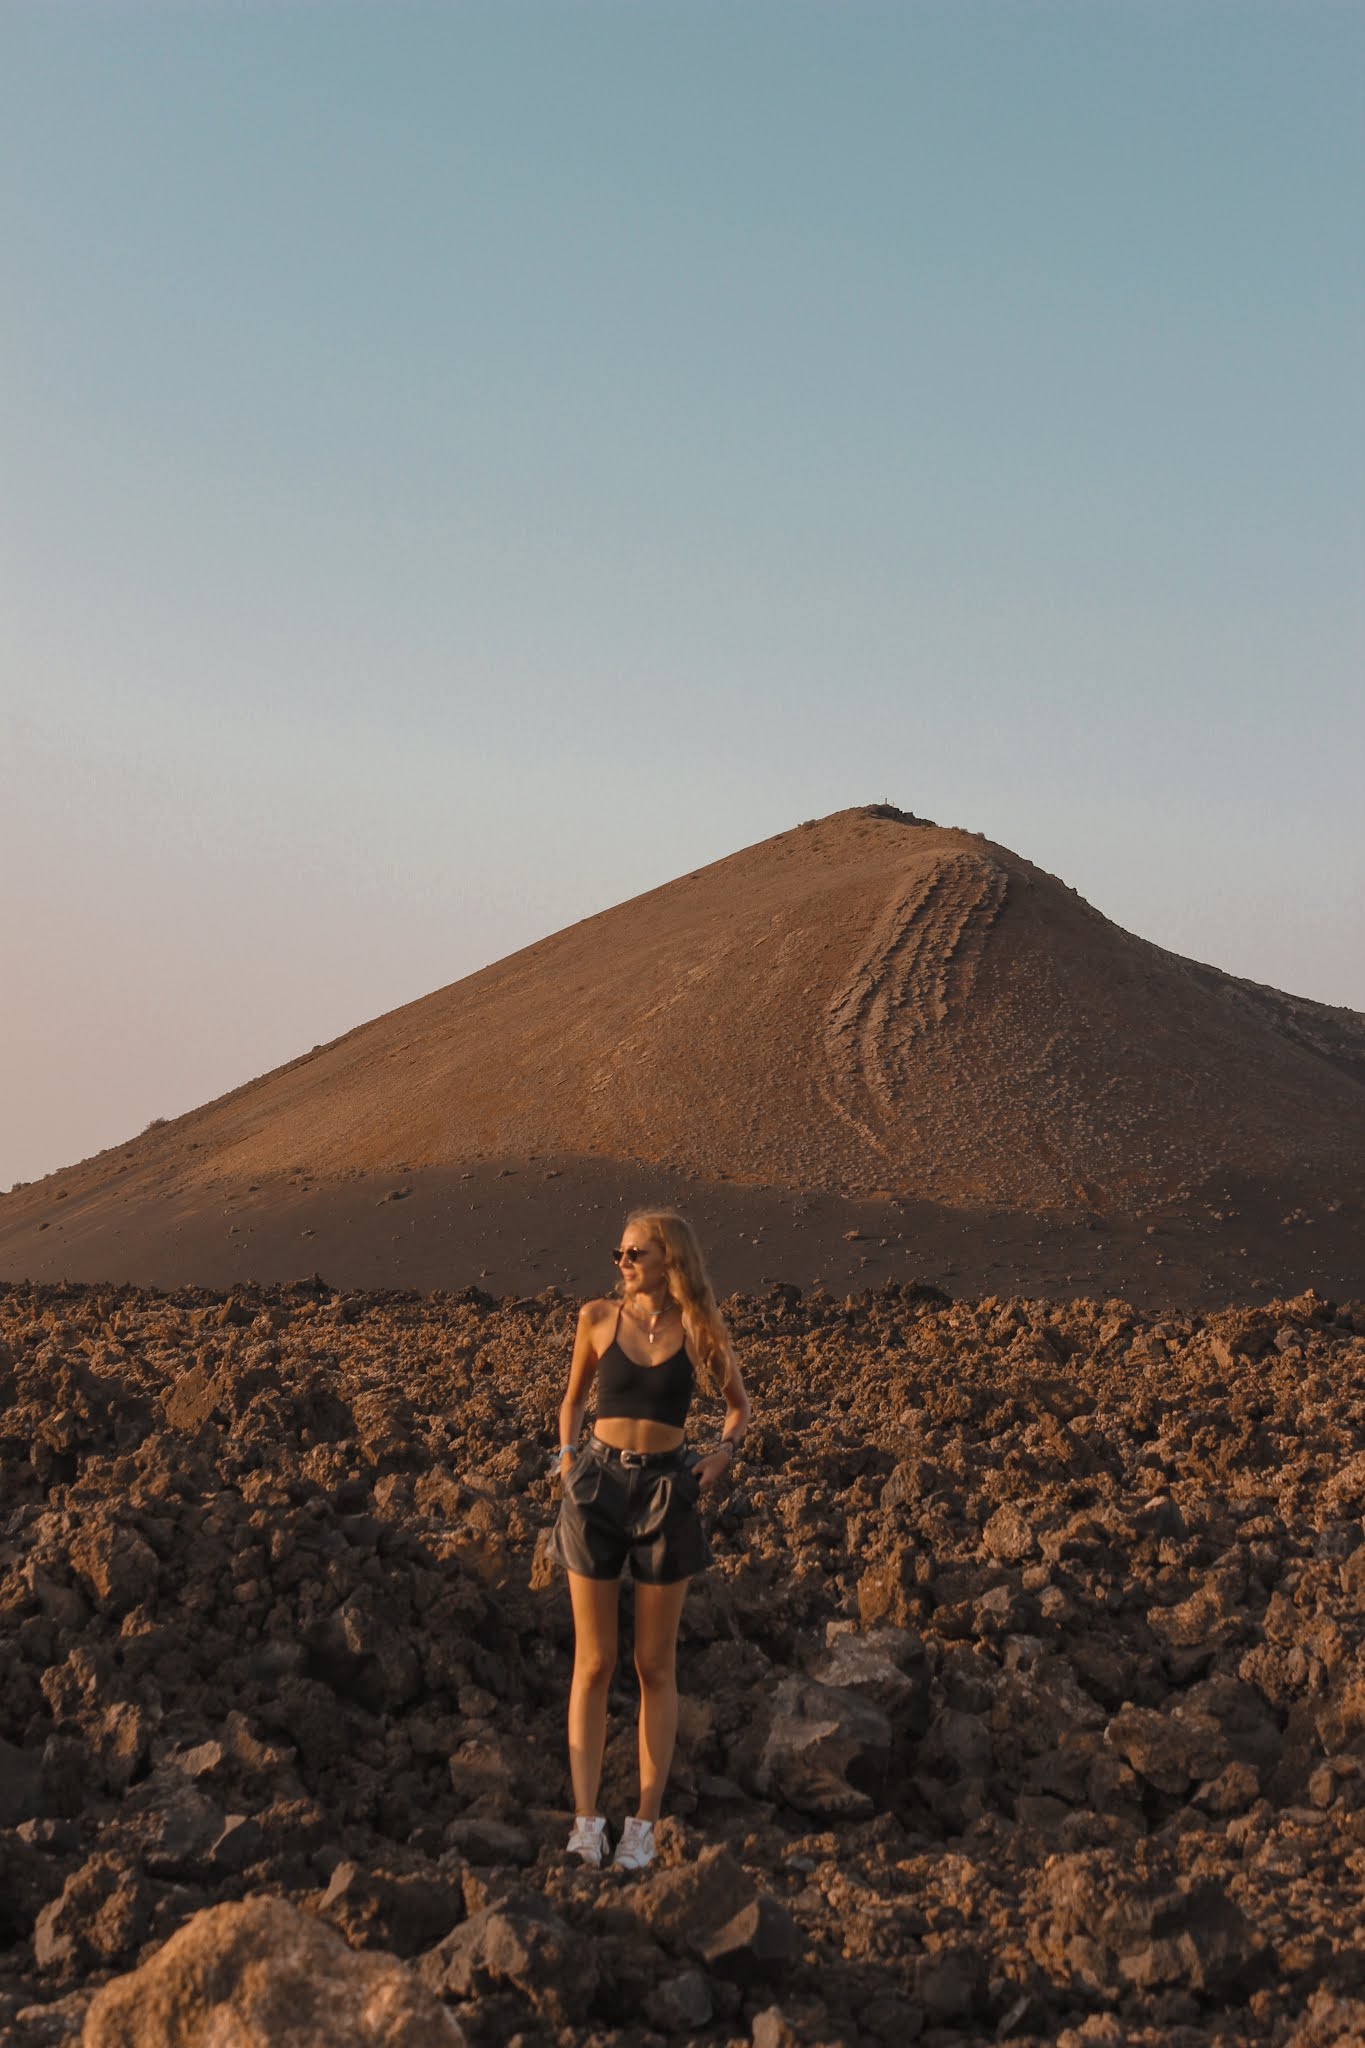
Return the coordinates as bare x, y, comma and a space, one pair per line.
626, 1433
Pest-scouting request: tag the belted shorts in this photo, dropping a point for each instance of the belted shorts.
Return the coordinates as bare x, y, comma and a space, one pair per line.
633, 1507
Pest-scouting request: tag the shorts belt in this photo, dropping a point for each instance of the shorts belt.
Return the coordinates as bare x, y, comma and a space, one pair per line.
643, 1459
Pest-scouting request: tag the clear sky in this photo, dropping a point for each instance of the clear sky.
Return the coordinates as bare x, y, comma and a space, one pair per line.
466, 464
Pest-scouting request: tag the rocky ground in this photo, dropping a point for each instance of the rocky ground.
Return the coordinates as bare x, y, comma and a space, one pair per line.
1025, 1699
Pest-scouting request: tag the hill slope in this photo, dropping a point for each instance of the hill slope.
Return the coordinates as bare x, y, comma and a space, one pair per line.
865, 1005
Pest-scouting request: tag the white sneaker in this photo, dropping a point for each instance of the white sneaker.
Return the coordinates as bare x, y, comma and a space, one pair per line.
635, 1850
589, 1840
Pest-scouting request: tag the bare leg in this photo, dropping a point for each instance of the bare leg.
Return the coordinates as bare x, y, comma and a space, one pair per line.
595, 1606
657, 1612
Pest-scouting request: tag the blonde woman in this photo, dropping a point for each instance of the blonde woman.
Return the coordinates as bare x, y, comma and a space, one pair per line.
630, 1494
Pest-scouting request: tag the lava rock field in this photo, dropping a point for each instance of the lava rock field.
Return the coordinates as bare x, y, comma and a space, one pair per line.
1025, 1698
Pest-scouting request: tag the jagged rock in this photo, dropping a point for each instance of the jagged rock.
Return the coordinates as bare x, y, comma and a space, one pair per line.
825, 1748
909, 1482
888, 1592
949, 1984
526, 1946
1330, 2022
1236, 1787
891, 2019
772, 2029
680, 2004
681, 1906
1171, 1751
384, 1670
886, 1666
239, 1843
191, 1400
103, 1913
121, 1742
484, 1840
200, 1760
760, 1941
115, 1563
1107, 1931
404, 1914
174, 1826
54, 2024
1009, 1535
262, 1974
958, 1743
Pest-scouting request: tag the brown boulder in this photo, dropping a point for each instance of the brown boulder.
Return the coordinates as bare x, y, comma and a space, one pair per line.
402, 1914
1171, 1751
886, 1666
522, 1944
681, 1906
1105, 1930
104, 1912
1330, 2022
824, 1748
890, 1592
1009, 1535
117, 1565
261, 1974
761, 1940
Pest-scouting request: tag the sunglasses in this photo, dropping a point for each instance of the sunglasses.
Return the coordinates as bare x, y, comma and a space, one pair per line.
629, 1254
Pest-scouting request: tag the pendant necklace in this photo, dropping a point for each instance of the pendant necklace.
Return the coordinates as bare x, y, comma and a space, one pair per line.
656, 1316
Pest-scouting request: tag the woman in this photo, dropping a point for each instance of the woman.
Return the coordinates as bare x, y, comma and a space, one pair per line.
630, 1493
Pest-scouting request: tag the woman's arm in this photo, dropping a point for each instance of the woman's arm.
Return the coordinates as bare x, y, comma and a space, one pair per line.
736, 1410
582, 1367
732, 1429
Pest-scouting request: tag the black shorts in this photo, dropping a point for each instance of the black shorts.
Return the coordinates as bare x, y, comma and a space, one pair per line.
613, 1511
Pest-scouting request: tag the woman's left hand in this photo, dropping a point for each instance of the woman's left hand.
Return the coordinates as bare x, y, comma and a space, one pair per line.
710, 1471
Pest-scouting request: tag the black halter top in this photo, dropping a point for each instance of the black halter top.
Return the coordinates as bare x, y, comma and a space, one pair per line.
644, 1393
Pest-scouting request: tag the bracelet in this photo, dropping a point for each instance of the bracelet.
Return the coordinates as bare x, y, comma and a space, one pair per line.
730, 1444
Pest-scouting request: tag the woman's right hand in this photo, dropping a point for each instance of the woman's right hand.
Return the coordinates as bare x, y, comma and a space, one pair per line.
710, 1471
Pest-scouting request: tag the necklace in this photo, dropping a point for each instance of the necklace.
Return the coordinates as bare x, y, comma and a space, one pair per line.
656, 1316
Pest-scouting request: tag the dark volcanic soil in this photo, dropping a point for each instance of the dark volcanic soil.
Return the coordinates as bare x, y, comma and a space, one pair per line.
1025, 1699
518, 1226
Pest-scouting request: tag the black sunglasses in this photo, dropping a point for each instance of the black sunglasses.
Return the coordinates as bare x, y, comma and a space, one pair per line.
629, 1255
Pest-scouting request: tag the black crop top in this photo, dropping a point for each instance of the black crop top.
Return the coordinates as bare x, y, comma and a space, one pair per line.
644, 1393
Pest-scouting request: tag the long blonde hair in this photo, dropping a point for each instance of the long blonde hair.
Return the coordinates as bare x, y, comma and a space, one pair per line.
704, 1329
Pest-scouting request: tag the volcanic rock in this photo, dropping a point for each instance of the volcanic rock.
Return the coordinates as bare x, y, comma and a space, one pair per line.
1106, 1931
526, 1946
1171, 1751
683, 1906
404, 1914
1057, 1800
680, 2004
888, 1667
820, 1742
261, 1974
103, 1913
758, 1942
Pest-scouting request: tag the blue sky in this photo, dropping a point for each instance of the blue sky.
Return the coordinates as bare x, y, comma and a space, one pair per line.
467, 464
